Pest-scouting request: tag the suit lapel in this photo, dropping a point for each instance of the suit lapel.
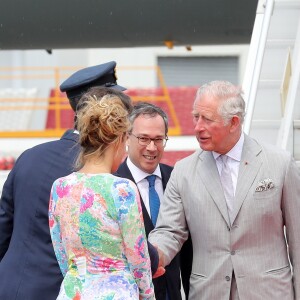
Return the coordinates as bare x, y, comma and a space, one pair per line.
208, 173
165, 174
249, 167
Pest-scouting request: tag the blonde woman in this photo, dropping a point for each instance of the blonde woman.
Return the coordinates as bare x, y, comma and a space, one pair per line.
95, 217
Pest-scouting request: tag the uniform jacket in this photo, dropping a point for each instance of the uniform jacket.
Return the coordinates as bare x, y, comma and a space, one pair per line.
267, 200
28, 266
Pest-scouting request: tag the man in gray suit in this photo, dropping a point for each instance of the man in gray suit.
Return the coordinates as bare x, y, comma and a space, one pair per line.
238, 198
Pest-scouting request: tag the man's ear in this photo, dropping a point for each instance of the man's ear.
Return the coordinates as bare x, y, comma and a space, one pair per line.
235, 123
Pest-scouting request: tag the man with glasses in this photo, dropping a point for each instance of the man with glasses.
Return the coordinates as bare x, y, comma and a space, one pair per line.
146, 143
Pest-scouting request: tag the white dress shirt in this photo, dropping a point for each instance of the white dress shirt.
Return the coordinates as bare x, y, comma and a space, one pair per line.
139, 177
234, 159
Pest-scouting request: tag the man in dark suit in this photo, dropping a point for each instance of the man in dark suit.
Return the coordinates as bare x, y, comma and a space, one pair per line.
146, 142
28, 266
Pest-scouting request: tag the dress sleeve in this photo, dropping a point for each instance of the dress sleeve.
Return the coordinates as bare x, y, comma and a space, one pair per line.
134, 238
55, 231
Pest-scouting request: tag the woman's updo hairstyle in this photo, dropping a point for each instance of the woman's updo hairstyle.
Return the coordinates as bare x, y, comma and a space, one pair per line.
101, 123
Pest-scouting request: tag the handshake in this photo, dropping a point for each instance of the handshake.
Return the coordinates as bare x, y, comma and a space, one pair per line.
157, 260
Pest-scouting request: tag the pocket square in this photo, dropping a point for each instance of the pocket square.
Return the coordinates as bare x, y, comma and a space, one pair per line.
265, 185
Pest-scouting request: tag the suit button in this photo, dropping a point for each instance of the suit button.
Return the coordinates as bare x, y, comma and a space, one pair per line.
227, 278
232, 252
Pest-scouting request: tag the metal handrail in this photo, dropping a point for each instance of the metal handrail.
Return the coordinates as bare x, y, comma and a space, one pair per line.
58, 101
255, 57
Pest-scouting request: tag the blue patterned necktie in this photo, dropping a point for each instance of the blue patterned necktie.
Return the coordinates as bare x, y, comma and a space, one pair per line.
153, 199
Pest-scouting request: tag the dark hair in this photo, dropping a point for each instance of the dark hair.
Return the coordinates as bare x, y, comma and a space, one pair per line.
73, 101
145, 108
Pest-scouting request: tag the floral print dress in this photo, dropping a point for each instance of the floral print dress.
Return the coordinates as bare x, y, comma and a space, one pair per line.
99, 240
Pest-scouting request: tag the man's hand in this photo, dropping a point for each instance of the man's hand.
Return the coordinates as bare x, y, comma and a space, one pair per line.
161, 263
161, 257
160, 271
157, 260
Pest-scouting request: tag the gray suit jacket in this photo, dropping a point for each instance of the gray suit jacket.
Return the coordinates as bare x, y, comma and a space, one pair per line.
254, 246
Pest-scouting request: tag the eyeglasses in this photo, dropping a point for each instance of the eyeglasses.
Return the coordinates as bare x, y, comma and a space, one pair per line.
145, 141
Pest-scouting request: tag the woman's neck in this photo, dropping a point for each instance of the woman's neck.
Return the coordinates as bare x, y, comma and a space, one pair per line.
90, 168
95, 164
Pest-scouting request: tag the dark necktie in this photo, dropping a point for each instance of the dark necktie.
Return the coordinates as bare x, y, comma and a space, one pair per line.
153, 199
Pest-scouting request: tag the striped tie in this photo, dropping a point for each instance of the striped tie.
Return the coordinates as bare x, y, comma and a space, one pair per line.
227, 184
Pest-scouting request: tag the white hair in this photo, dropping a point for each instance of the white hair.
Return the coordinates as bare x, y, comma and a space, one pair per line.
230, 96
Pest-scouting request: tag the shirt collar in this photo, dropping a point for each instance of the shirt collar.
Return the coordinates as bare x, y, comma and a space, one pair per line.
236, 152
138, 174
